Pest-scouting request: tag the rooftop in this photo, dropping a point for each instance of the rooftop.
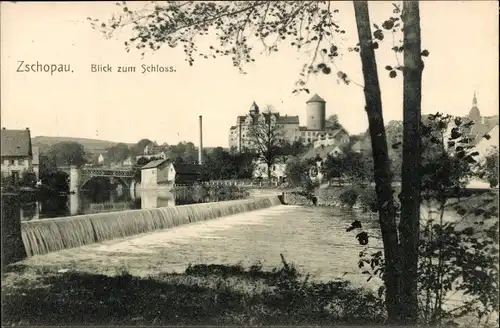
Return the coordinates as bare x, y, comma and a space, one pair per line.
16, 143
322, 152
154, 164
316, 98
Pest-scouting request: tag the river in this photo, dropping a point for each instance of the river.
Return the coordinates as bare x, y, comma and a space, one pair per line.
40, 206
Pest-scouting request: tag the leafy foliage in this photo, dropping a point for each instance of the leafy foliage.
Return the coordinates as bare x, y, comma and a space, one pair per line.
118, 153
455, 255
308, 26
67, 153
224, 165
267, 139
354, 166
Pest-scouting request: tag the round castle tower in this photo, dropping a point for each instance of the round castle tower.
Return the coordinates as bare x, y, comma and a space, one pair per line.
316, 113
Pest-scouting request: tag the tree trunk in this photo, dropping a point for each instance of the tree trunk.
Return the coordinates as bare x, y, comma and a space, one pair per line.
409, 226
382, 174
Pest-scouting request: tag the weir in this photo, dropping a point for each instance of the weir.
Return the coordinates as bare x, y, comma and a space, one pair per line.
51, 235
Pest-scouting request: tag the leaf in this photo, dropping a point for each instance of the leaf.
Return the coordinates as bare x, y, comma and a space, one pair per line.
388, 24
362, 238
379, 35
425, 53
376, 26
389, 68
326, 70
393, 74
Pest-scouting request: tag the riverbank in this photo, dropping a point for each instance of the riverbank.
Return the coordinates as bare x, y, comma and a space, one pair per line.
202, 295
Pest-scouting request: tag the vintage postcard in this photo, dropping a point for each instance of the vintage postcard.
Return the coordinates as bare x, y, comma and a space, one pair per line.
249, 163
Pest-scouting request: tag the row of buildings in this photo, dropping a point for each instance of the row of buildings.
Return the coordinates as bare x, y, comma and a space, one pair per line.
332, 142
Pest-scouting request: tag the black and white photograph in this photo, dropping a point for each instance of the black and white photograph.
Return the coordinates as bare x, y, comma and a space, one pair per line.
249, 163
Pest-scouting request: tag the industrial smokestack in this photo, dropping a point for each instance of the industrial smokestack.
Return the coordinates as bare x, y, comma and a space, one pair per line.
200, 148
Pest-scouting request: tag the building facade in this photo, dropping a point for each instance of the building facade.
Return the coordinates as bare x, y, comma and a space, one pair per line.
17, 154
155, 173
290, 125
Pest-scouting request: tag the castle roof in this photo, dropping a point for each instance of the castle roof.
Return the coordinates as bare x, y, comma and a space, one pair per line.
254, 108
316, 98
287, 120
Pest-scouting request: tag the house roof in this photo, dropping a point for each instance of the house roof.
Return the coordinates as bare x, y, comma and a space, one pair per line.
182, 168
153, 164
330, 134
316, 98
480, 128
322, 152
16, 143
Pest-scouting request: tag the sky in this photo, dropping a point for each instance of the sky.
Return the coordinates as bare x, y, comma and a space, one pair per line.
461, 36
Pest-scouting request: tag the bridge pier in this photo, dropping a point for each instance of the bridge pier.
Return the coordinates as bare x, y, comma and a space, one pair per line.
74, 179
74, 189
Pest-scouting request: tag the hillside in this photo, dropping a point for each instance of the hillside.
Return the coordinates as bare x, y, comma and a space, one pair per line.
90, 145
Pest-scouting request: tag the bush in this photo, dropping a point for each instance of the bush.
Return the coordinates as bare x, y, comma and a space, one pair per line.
211, 294
349, 196
368, 199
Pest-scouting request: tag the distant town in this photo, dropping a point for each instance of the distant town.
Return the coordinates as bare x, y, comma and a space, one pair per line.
28, 159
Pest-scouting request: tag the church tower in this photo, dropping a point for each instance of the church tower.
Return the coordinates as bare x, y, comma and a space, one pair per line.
474, 113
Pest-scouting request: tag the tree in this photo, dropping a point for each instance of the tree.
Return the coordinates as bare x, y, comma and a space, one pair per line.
333, 167
310, 25
267, 139
118, 153
143, 161
382, 172
332, 122
409, 226
47, 165
491, 168
67, 153
138, 148
297, 172
454, 255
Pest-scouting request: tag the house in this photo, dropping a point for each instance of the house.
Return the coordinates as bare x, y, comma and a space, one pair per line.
184, 174
362, 145
128, 162
16, 153
160, 155
156, 173
322, 152
483, 125
487, 146
164, 172
278, 170
338, 137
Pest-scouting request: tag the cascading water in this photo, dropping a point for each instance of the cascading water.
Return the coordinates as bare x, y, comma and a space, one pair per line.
50, 235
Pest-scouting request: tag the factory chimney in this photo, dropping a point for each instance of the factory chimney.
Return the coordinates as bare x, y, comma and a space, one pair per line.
200, 148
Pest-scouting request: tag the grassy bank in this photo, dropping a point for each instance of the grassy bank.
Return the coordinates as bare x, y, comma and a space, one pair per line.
202, 295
